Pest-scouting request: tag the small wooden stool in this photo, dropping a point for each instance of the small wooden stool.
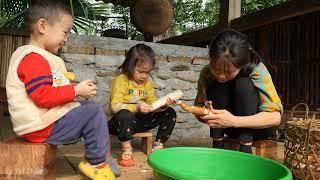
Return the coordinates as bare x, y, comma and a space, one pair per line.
25, 160
146, 141
265, 148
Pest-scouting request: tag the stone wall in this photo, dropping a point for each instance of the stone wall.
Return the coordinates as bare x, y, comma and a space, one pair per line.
178, 67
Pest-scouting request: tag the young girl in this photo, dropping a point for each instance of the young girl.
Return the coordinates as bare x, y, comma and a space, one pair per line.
131, 95
244, 100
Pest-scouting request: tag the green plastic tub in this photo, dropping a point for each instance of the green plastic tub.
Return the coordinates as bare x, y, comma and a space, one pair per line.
194, 163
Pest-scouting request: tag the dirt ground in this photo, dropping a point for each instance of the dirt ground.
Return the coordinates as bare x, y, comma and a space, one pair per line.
69, 156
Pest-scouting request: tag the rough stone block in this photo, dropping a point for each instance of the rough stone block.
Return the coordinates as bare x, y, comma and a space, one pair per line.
82, 59
77, 50
189, 76
180, 68
179, 58
108, 61
110, 52
179, 84
161, 58
200, 60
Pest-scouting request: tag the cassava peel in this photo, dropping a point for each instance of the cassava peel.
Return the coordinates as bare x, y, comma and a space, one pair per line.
198, 111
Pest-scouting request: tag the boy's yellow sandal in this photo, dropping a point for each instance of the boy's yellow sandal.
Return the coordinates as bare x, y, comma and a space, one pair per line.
104, 173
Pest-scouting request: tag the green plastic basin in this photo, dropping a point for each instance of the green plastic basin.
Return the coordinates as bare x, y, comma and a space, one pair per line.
207, 163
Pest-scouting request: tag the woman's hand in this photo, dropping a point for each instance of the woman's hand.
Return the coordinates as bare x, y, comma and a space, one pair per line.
144, 107
208, 105
220, 119
199, 119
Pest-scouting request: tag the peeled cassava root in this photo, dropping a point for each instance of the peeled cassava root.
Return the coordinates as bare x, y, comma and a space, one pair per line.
198, 111
163, 100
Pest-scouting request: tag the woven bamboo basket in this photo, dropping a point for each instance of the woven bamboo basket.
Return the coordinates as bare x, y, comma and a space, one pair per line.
151, 16
302, 144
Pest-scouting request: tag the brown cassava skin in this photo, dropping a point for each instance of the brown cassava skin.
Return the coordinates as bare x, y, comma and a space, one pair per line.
197, 111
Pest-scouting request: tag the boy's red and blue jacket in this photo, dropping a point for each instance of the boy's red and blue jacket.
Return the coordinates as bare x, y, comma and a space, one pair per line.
38, 93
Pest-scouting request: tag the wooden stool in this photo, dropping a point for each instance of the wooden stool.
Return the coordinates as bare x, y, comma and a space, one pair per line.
264, 148
25, 160
146, 142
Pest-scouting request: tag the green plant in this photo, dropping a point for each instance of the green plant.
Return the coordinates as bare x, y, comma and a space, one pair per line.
251, 6
87, 14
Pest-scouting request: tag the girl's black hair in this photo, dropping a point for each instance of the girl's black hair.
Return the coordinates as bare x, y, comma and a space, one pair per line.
138, 53
235, 48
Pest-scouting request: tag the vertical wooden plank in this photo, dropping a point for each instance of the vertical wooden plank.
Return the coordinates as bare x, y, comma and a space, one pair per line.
5, 58
223, 14
312, 84
317, 38
2, 66
8, 44
234, 9
229, 10
317, 96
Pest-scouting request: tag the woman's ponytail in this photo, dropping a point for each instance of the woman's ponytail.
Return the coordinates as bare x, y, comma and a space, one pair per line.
254, 60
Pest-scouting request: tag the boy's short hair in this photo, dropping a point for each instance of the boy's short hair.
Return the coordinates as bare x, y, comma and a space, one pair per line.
46, 9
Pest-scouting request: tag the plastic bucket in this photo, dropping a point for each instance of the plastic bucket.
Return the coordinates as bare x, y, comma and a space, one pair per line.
207, 163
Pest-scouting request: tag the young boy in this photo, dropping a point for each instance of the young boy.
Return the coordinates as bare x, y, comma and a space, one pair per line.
42, 108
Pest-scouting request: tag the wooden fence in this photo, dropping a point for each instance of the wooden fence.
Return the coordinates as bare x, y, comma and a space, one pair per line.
291, 49
9, 41
288, 38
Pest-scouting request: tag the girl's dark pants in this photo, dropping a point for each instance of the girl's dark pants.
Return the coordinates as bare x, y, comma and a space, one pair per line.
125, 123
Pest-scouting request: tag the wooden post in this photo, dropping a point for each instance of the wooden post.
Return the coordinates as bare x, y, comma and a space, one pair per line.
229, 10
162, 36
3, 100
1, 118
151, 38
147, 37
